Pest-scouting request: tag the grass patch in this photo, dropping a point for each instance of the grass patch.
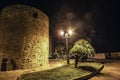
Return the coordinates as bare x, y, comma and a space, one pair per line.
63, 73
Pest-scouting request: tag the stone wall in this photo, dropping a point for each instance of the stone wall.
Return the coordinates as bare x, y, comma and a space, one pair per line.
113, 55
99, 56
24, 36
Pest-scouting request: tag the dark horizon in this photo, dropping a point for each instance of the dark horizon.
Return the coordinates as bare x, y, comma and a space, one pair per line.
106, 15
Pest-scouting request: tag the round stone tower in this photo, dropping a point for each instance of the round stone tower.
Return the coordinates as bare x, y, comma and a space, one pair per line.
24, 37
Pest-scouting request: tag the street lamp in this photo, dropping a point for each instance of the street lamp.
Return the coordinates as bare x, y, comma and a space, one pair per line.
66, 35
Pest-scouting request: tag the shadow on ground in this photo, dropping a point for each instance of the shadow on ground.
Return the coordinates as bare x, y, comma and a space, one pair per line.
88, 68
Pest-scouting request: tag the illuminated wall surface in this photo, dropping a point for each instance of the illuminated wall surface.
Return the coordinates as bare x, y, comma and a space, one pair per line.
24, 37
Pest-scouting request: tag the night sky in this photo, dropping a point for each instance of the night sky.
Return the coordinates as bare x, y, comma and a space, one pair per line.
106, 15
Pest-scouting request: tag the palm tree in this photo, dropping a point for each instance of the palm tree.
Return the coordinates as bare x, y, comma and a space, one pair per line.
82, 49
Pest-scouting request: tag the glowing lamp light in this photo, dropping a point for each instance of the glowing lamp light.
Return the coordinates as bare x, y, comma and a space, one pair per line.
70, 32
61, 33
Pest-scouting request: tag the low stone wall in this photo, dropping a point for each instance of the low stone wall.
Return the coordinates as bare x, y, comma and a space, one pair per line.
115, 54
99, 56
112, 55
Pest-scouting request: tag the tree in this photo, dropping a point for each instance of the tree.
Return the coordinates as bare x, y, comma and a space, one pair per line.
82, 49
60, 49
55, 55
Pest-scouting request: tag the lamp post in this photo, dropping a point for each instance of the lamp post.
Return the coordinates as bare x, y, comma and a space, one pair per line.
67, 35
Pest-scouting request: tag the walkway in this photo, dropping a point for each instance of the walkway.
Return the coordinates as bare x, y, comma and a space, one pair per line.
111, 71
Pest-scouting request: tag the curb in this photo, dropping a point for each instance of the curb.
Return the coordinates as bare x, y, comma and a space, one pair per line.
90, 75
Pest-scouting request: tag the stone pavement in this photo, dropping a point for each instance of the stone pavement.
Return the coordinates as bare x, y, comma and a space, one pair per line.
111, 71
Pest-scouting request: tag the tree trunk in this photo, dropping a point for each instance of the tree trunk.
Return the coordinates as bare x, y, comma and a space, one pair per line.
76, 60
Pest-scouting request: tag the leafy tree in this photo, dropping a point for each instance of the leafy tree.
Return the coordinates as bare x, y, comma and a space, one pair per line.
60, 49
82, 49
55, 55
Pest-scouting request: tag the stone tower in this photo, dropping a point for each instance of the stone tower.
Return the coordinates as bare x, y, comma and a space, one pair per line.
24, 37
